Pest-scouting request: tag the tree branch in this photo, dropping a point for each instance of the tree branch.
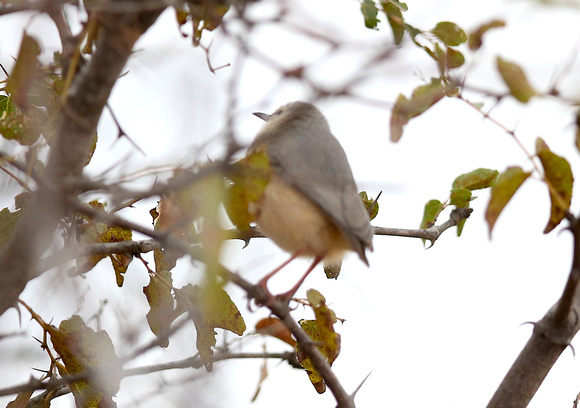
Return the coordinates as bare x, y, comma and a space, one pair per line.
75, 128
552, 334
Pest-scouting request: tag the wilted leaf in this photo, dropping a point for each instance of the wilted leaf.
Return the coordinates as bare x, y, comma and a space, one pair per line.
560, 181
577, 124
370, 11
21, 400
395, 19
24, 71
322, 332
82, 349
432, 210
450, 33
405, 109
274, 327
502, 191
311, 328
476, 179
206, 15
210, 307
161, 303
515, 78
249, 178
95, 232
325, 319
8, 222
22, 126
476, 37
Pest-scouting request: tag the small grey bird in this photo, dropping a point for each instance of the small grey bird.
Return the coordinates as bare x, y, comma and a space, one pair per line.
310, 206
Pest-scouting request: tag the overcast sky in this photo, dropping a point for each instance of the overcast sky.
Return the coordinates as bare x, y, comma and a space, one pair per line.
437, 327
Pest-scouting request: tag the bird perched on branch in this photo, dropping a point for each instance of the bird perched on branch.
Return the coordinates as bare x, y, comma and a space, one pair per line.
310, 205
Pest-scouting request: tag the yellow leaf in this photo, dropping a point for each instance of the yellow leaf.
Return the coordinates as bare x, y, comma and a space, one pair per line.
560, 181
502, 191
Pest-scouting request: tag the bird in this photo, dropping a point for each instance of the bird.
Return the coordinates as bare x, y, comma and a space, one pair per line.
310, 206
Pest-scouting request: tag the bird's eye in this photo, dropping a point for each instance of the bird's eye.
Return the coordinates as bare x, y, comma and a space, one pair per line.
279, 111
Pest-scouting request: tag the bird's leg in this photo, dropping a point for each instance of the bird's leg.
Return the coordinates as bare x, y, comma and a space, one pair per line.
264, 281
288, 295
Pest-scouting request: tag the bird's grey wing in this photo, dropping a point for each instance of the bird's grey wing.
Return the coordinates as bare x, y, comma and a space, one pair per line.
318, 167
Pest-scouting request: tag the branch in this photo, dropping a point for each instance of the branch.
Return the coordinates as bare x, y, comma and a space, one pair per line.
75, 127
552, 334
195, 361
280, 308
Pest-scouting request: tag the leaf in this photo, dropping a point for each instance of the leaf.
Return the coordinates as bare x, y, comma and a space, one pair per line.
370, 11
577, 124
24, 127
249, 178
311, 328
209, 308
560, 181
454, 59
21, 400
325, 319
206, 15
395, 18
460, 197
8, 222
95, 232
369, 204
502, 191
432, 210
24, 71
82, 349
515, 79
161, 312
274, 327
476, 37
423, 98
322, 332
476, 179
450, 33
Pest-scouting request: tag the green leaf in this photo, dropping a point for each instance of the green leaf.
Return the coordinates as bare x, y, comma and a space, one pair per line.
476, 37
502, 191
454, 59
370, 11
450, 33
515, 79
476, 179
423, 98
560, 181
395, 19
432, 210
369, 204
460, 197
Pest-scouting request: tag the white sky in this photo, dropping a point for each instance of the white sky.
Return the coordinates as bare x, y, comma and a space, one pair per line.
437, 327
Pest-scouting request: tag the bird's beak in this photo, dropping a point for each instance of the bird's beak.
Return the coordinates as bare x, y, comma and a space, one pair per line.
263, 116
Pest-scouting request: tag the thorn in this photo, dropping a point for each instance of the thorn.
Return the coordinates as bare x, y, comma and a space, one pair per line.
360, 385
